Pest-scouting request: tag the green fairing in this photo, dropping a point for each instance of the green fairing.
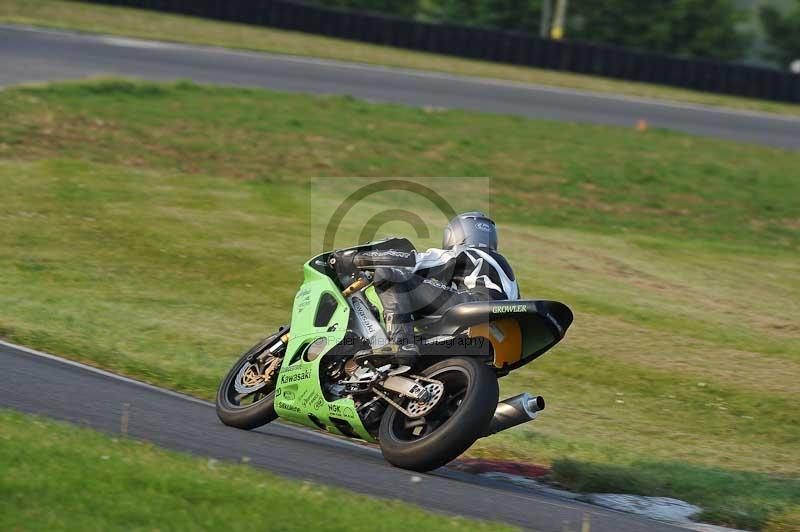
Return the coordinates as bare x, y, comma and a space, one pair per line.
373, 298
298, 392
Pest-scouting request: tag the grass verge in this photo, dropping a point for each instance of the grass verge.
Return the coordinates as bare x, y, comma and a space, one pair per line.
60, 477
154, 25
157, 230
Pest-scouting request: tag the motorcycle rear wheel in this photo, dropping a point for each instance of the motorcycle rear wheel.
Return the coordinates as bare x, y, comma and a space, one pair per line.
249, 411
459, 419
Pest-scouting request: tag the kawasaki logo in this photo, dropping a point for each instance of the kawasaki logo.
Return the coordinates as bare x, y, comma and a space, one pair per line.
295, 377
363, 316
502, 309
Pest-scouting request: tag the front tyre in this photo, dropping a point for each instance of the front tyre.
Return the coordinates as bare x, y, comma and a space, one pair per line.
245, 399
461, 416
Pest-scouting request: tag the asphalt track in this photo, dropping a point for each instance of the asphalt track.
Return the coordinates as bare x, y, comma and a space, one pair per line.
41, 384
28, 54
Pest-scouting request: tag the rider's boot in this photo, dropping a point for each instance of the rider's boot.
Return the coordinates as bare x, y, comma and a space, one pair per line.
401, 349
401, 337
397, 313
392, 287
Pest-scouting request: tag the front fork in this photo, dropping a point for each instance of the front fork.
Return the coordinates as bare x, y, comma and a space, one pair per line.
260, 355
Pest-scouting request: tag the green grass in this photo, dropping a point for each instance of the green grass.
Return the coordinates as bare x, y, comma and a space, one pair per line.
154, 25
157, 230
789, 521
59, 477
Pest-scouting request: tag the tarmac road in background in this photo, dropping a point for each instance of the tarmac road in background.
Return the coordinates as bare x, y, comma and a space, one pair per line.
29, 54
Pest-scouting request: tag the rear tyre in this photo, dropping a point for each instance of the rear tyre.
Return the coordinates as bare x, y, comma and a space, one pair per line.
236, 407
468, 404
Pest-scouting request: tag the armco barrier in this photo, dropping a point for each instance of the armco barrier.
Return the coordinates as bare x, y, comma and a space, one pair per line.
492, 45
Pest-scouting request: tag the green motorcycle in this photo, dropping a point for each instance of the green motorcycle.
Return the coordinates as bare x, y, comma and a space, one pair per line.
315, 371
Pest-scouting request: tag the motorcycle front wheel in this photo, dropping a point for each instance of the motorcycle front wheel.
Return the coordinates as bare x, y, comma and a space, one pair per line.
244, 399
460, 417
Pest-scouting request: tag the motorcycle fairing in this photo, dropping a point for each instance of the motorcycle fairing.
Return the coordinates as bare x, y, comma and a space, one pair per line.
298, 393
519, 330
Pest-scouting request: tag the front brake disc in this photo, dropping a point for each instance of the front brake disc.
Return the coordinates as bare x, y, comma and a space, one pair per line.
248, 380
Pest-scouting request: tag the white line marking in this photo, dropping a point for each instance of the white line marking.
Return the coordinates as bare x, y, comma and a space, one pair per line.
171, 393
333, 63
132, 43
103, 372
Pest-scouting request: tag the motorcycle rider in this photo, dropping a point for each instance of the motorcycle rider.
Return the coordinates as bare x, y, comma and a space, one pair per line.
412, 285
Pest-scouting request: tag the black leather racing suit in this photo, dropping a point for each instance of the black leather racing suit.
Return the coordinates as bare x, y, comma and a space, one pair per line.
415, 285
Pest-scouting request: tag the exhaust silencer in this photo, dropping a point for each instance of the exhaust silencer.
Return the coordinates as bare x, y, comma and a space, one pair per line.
515, 411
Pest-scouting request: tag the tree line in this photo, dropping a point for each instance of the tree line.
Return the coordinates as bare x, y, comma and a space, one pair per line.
690, 28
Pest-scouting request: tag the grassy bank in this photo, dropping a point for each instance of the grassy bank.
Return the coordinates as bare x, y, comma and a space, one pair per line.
154, 25
59, 477
157, 230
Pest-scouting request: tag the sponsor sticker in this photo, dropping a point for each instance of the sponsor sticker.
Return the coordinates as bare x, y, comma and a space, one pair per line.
302, 299
343, 411
296, 376
289, 407
364, 316
304, 397
502, 309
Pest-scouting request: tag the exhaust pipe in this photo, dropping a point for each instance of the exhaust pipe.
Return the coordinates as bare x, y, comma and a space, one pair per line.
515, 411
